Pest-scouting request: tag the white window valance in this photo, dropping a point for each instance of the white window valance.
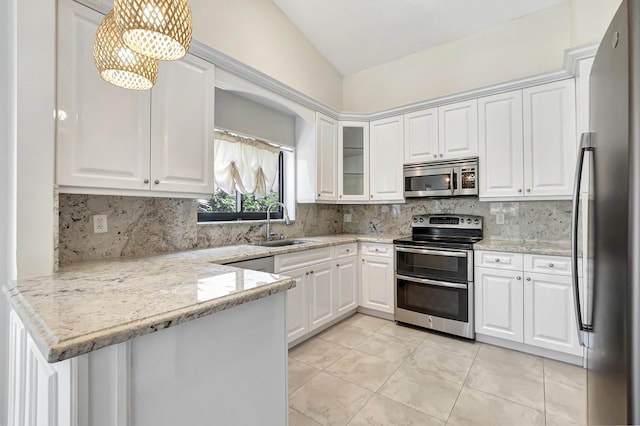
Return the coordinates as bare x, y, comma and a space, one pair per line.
246, 165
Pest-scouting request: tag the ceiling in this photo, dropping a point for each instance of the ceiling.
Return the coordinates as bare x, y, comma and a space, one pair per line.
354, 35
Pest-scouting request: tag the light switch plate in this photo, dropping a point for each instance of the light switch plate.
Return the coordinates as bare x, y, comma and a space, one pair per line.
99, 223
500, 219
347, 218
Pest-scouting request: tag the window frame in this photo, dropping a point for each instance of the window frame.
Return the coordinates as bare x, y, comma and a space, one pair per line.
213, 217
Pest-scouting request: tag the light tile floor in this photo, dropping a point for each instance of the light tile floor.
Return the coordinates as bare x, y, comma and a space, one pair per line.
369, 371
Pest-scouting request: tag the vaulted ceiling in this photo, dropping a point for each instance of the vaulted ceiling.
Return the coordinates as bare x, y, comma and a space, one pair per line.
354, 35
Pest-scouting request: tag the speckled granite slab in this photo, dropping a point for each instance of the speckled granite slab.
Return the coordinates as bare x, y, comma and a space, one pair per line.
88, 306
562, 248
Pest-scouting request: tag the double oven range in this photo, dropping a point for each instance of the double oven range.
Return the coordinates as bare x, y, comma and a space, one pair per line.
434, 273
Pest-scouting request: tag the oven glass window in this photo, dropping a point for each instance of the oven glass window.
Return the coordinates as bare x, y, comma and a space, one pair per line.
439, 182
438, 267
444, 302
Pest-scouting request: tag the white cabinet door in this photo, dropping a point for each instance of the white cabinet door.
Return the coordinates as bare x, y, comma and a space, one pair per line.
498, 303
353, 161
549, 113
549, 313
182, 115
386, 159
321, 295
327, 157
297, 305
102, 130
500, 145
421, 136
458, 130
378, 283
346, 285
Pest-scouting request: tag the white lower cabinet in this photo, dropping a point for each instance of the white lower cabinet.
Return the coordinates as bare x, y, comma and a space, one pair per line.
516, 302
326, 286
499, 303
377, 277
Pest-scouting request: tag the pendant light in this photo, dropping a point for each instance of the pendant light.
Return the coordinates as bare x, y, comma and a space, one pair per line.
160, 29
118, 64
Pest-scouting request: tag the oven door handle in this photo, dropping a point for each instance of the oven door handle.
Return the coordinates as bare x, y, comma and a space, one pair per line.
436, 252
431, 282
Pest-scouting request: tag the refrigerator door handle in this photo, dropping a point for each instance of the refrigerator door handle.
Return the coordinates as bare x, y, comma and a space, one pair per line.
585, 145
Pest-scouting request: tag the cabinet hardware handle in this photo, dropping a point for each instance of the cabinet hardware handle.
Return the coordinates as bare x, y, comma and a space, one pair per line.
528, 189
156, 181
551, 265
338, 265
347, 250
318, 195
435, 155
518, 278
371, 196
306, 273
440, 155
528, 278
497, 260
311, 272
341, 196
146, 181
519, 189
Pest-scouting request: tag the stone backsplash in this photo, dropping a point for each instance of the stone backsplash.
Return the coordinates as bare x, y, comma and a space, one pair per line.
529, 221
139, 226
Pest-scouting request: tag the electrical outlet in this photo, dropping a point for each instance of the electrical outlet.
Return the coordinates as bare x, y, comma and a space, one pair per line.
99, 223
347, 218
500, 219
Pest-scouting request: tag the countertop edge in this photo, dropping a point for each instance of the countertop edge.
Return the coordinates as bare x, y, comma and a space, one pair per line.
55, 351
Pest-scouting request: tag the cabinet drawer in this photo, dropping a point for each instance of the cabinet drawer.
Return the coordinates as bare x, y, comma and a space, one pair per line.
346, 250
499, 260
287, 262
372, 249
557, 265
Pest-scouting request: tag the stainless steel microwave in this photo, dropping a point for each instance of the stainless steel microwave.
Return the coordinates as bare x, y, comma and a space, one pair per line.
441, 178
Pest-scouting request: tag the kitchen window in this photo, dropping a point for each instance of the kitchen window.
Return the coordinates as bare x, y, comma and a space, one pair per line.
249, 177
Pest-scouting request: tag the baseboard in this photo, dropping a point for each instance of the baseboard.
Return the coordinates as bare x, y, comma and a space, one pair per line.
533, 350
321, 328
374, 313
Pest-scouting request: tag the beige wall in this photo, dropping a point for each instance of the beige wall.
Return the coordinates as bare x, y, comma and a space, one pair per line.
531, 45
257, 33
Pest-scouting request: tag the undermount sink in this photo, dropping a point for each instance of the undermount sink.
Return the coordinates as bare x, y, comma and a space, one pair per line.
281, 243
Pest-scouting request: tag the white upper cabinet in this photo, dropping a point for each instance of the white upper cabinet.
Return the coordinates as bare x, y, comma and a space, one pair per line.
458, 130
549, 113
102, 130
500, 145
111, 139
327, 157
181, 126
421, 136
386, 159
353, 161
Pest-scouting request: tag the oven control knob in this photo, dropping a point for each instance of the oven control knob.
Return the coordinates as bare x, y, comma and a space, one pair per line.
468, 220
415, 220
421, 220
476, 221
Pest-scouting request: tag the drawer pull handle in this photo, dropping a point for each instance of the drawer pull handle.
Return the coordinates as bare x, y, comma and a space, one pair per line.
347, 250
518, 278
146, 181
338, 265
528, 278
311, 272
551, 265
497, 260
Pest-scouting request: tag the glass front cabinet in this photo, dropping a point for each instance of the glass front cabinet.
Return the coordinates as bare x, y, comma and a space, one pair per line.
353, 161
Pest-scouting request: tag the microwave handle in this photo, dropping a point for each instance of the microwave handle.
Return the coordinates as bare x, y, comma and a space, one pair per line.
451, 182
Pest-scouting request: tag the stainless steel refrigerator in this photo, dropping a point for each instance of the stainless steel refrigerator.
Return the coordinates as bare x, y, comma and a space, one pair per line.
608, 305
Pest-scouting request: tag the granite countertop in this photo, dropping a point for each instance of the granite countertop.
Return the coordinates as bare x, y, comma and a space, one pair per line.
90, 305
552, 248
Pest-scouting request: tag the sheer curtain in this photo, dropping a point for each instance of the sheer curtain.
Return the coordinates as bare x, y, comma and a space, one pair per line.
246, 165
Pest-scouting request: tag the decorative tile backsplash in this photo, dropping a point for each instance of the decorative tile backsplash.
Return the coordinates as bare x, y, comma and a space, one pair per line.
139, 226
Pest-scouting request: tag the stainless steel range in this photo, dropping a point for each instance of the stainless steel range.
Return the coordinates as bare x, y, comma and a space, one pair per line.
434, 273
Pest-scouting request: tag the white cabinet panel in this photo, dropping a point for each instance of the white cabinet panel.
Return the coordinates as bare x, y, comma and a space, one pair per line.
353, 161
182, 111
421, 136
297, 306
458, 130
378, 283
549, 313
327, 157
347, 285
549, 124
386, 159
500, 153
499, 303
17, 361
102, 130
321, 294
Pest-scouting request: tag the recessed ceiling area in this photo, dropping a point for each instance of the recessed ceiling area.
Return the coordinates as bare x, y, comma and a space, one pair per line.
354, 35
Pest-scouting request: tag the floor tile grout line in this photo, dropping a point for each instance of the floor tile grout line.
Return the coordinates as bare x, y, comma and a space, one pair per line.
463, 383
544, 391
302, 414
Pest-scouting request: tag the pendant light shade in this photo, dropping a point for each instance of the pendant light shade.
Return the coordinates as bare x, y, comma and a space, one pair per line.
117, 63
160, 29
